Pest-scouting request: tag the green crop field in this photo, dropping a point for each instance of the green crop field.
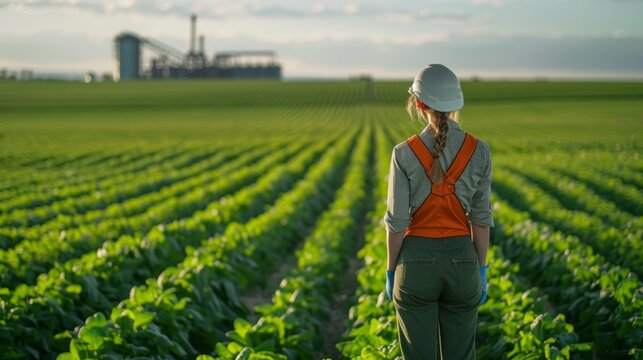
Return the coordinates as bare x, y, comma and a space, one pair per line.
243, 220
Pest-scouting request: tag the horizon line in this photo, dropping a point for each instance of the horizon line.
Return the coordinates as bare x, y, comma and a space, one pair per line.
80, 76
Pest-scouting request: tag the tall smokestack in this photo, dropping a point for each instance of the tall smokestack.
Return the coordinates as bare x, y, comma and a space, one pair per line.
201, 44
192, 33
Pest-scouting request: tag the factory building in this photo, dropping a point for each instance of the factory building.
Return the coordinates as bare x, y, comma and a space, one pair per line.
165, 62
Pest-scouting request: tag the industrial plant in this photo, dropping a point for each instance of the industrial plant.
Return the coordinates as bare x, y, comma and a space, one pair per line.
165, 62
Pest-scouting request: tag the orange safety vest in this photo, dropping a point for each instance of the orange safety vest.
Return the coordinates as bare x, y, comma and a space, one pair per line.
441, 214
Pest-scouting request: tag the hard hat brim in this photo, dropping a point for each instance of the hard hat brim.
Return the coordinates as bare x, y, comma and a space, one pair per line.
434, 103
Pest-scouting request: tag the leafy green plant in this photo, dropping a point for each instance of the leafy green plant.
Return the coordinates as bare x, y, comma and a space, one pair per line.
601, 299
57, 308
198, 297
288, 325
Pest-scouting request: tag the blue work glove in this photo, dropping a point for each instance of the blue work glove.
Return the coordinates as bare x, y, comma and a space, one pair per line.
483, 277
390, 278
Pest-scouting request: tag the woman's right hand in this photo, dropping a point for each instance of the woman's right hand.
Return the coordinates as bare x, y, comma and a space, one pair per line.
483, 277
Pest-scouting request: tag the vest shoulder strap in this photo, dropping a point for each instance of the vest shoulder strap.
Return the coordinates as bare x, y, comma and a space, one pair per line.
421, 152
463, 157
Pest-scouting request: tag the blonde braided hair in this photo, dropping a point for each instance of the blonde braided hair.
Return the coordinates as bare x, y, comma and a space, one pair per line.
438, 125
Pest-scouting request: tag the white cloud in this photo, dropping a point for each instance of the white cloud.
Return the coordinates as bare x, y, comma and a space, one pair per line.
143, 7
224, 9
340, 37
496, 3
351, 9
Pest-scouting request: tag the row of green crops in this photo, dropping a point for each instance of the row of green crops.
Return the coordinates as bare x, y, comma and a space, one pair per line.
43, 173
123, 197
611, 187
371, 328
172, 315
87, 178
603, 301
89, 284
576, 195
623, 247
289, 325
88, 197
32, 257
103, 178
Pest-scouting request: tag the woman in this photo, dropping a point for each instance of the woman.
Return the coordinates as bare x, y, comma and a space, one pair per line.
437, 224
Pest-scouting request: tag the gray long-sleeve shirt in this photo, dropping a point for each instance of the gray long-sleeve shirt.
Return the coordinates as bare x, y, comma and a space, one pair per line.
409, 186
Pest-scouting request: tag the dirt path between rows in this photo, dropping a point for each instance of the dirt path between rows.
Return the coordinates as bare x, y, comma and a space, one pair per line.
262, 293
332, 329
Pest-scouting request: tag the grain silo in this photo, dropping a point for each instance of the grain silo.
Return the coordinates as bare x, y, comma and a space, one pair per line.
128, 57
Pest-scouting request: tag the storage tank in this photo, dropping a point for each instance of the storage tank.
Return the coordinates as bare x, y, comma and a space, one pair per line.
128, 56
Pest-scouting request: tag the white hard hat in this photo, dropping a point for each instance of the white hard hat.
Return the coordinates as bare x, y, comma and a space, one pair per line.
438, 87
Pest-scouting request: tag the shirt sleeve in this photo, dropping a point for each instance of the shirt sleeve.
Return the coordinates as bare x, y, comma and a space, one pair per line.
481, 212
397, 217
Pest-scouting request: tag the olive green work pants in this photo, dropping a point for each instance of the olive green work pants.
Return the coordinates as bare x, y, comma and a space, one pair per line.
436, 292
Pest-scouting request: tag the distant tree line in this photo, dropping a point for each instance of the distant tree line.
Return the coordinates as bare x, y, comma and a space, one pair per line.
24, 74
28, 75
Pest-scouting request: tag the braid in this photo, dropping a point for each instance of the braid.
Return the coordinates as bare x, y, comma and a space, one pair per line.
440, 128
438, 125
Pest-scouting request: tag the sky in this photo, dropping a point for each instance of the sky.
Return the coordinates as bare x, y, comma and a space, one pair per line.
337, 39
